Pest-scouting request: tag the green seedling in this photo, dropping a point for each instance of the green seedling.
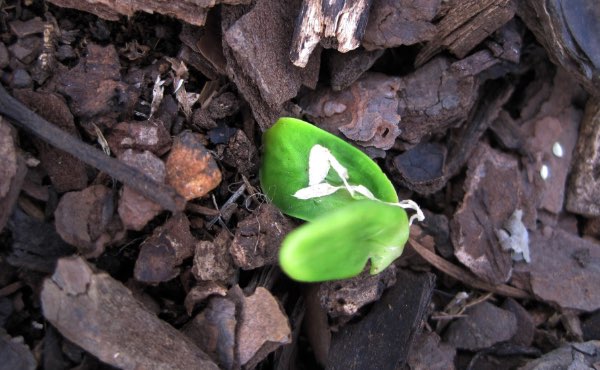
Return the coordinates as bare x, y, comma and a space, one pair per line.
352, 206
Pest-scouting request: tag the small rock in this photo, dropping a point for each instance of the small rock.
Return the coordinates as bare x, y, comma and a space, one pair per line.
200, 292
191, 169
212, 260
427, 353
65, 52
421, 168
136, 210
591, 327
149, 135
163, 252
26, 49
484, 326
263, 327
259, 236
202, 121
346, 297
82, 218
213, 331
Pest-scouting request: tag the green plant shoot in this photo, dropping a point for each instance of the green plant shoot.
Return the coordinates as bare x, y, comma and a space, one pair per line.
285, 169
352, 206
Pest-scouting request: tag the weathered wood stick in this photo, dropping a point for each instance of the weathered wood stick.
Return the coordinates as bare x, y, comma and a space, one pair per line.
21, 116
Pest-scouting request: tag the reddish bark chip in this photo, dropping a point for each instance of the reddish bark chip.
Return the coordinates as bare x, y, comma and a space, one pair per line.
135, 209
565, 270
82, 218
367, 112
163, 252
149, 135
483, 326
394, 23
263, 328
191, 169
494, 190
200, 292
259, 236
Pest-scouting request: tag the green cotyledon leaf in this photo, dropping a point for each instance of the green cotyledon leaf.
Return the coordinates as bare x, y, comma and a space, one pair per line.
338, 244
285, 169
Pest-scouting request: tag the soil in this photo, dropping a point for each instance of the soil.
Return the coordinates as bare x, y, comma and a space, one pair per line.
134, 233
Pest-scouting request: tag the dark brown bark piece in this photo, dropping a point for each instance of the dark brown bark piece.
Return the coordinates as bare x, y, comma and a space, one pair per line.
315, 324
213, 331
366, 112
135, 209
584, 189
36, 245
483, 326
382, 339
26, 50
525, 324
421, 168
224, 105
494, 190
346, 297
564, 270
205, 44
435, 97
466, 25
26, 28
150, 135
591, 327
263, 327
14, 354
340, 23
163, 252
565, 29
269, 24
259, 236
212, 260
66, 172
394, 23
190, 11
428, 353
109, 316
82, 218
191, 169
345, 68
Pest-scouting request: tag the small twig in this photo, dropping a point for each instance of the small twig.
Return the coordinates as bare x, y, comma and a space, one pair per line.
464, 276
22, 116
238, 193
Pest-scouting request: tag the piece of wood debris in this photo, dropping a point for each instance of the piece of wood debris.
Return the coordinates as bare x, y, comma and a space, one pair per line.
584, 190
162, 253
190, 11
381, 340
12, 171
495, 188
366, 112
483, 326
394, 23
340, 23
108, 316
466, 25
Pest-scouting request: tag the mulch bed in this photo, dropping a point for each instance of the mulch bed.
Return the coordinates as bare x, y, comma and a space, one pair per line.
134, 233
